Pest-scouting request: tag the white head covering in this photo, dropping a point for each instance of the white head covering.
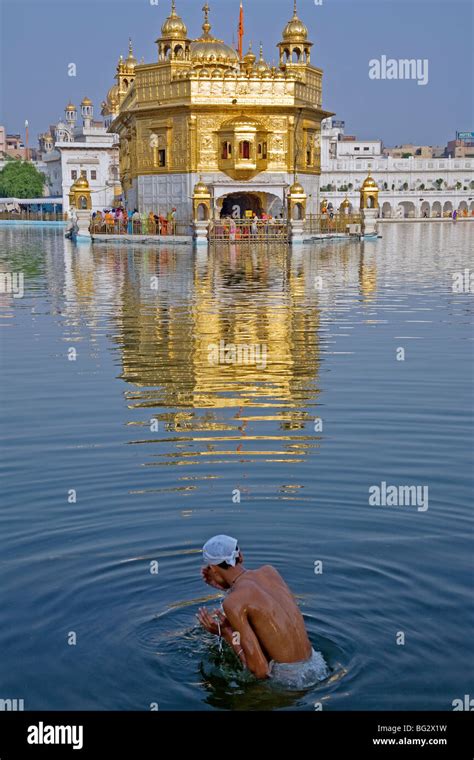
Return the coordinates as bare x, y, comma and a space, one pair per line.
220, 549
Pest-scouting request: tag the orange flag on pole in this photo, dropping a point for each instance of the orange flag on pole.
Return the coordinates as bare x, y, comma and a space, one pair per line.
241, 31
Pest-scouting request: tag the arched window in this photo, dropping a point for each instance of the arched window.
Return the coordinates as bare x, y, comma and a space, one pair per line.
82, 202
297, 212
226, 150
296, 57
202, 212
244, 149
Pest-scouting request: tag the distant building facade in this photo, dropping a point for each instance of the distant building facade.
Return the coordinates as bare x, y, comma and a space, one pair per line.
70, 151
415, 187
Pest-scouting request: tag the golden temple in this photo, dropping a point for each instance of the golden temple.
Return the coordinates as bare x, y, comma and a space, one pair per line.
201, 114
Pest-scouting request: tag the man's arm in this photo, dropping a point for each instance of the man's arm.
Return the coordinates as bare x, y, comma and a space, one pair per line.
255, 660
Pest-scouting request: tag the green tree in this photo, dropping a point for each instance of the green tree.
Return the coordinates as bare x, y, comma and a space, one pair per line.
20, 179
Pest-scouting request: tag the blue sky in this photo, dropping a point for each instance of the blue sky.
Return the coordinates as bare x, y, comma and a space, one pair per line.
39, 38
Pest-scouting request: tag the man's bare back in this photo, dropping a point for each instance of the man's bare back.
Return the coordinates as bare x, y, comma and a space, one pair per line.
261, 620
261, 606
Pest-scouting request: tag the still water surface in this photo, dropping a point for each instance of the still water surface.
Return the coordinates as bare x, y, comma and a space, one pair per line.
147, 492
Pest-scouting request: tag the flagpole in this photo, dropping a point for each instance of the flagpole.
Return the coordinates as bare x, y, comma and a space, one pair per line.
241, 31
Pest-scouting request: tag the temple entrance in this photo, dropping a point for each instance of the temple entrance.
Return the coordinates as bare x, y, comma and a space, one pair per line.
237, 204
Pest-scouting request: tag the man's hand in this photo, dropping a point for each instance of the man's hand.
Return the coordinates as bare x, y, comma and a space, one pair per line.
212, 621
205, 572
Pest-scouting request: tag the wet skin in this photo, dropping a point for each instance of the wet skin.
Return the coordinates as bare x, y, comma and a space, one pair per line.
261, 609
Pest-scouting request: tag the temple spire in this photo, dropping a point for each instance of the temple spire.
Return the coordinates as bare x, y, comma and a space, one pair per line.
206, 27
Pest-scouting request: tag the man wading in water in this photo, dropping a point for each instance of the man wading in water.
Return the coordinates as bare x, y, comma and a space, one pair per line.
259, 619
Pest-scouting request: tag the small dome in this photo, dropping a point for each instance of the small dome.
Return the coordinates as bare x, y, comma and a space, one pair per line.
200, 188
261, 66
249, 58
113, 95
80, 184
296, 189
295, 30
86, 102
130, 62
345, 203
205, 74
369, 183
174, 27
70, 107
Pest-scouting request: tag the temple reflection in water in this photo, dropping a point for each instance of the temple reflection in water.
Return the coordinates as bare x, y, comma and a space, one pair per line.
169, 308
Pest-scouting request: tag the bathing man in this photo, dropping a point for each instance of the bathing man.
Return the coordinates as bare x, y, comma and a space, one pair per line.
259, 619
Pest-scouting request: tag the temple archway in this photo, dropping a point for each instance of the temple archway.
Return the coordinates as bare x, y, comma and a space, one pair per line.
236, 204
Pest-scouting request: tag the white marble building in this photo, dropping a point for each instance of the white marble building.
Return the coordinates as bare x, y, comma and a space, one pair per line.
88, 149
409, 187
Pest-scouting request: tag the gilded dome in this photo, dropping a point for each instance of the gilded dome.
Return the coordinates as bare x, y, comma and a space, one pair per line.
369, 183
345, 203
295, 30
261, 66
209, 51
113, 95
174, 27
130, 62
80, 184
296, 189
86, 102
70, 107
249, 58
200, 188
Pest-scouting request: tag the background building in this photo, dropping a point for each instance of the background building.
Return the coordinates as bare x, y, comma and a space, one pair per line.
88, 150
415, 187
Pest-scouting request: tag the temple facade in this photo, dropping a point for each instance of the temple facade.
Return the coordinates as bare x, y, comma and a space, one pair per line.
201, 115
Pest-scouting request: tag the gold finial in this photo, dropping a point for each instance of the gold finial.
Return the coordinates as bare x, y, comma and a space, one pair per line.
206, 27
173, 7
130, 48
295, 10
261, 51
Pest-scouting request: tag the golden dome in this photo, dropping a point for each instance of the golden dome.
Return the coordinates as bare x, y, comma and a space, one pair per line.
345, 203
296, 189
130, 62
86, 102
369, 183
201, 188
295, 30
174, 27
249, 58
209, 51
112, 98
80, 184
262, 65
70, 107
